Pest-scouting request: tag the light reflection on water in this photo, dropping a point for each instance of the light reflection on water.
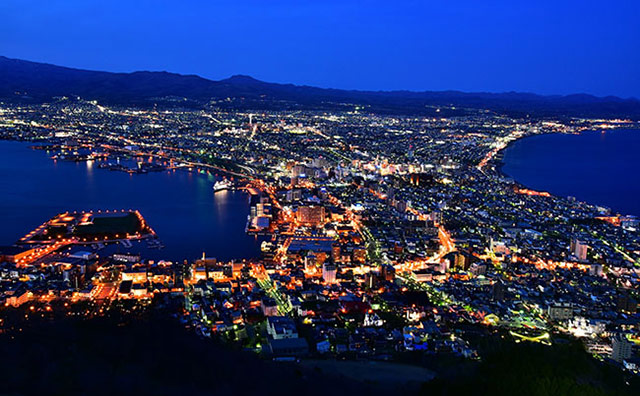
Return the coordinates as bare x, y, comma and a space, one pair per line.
599, 168
180, 206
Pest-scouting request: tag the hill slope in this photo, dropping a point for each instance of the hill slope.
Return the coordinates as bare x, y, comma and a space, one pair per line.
40, 82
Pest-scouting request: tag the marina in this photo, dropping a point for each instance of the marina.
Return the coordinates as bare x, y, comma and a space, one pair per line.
174, 202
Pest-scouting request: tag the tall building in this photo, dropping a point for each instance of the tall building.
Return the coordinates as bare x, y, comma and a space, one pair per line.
498, 291
560, 311
298, 170
620, 348
626, 303
335, 252
311, 215
462, 260
579, 249
359, 255
263, 209
310, 262
444, 265
388, 272
371, 280
269, 307
329, 273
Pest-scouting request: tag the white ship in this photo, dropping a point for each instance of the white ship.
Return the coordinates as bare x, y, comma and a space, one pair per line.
222, 185
267, 246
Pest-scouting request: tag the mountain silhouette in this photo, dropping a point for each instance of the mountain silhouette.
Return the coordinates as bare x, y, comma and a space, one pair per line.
26, 81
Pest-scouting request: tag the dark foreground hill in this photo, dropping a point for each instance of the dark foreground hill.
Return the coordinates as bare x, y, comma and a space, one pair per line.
38, 82
150, 355
102, 357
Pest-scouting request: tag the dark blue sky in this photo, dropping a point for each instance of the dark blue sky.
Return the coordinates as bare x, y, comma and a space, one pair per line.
538, 46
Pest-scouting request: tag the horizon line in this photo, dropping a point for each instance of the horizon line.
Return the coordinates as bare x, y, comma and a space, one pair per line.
631, 98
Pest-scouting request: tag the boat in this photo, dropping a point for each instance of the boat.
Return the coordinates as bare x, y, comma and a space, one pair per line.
222, 185
267, 246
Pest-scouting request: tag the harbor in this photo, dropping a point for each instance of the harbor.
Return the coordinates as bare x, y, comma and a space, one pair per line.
174, 202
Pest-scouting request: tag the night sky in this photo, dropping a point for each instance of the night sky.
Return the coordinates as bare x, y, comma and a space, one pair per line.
548, 47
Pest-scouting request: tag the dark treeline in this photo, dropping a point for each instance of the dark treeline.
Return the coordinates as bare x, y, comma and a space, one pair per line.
144, 357
508, 368
150, 355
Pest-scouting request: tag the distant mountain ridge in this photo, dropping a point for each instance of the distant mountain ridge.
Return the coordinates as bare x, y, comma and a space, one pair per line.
22, 80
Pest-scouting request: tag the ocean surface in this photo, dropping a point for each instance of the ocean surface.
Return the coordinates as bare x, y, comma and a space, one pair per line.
179, 205
598, 167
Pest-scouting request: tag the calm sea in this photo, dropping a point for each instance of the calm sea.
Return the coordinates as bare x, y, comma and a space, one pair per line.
179, 205
597, 167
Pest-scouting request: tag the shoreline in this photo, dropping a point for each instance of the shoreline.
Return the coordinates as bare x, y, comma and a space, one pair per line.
172, 252
500, 164
511, 143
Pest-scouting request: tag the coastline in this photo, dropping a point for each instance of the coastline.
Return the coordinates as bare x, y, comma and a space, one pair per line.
499, 165
499, 158
500, 162
222, 236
